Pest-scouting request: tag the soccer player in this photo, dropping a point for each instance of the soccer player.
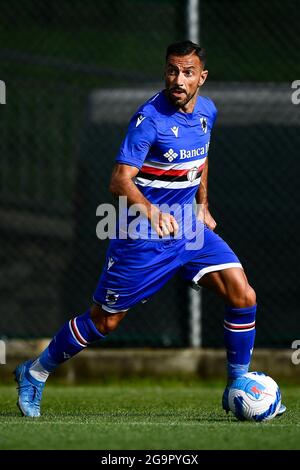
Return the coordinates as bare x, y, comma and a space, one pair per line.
161, 168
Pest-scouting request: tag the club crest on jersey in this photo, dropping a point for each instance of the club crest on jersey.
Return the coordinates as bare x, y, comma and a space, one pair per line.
111, 297
192, 174
203, 122
170, 155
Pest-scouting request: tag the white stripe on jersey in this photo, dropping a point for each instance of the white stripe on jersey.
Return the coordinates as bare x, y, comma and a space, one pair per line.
175, 166
166, 184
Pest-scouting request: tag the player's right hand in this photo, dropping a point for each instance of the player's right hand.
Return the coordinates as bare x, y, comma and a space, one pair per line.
164, 224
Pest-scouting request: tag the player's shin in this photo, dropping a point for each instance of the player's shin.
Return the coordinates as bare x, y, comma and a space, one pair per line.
239, 335
73, 337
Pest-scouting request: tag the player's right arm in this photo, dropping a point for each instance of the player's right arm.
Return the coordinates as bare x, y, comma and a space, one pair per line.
140, 136
122, 185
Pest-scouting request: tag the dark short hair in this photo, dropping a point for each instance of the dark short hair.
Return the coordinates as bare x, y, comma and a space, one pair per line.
186, 48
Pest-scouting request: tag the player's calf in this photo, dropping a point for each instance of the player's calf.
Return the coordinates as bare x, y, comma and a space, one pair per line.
73, 337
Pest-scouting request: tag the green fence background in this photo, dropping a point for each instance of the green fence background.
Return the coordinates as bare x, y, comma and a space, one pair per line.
55, 163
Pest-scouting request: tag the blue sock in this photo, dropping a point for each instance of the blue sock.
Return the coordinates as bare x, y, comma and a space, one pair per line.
72, 338
239, 335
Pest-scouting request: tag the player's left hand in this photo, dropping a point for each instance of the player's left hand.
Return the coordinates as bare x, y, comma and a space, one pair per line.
206, 217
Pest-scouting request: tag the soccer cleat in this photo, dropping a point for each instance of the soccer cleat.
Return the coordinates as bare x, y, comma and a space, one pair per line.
282, 410
225, 405
29, 391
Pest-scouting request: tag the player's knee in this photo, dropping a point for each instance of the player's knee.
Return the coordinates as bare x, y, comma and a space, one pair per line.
105, 323
245, 297
241, 294
111, 322
250, 296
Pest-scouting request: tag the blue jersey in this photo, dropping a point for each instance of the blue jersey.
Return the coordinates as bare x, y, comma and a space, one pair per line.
170, 148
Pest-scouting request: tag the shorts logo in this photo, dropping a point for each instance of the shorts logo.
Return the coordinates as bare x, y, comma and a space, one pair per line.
111, 261
204, 124
192, 174
111, 297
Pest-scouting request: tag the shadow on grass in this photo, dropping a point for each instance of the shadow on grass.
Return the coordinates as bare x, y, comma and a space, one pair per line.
11, 414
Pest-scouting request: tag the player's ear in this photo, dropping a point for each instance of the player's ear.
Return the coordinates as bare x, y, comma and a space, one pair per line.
203, 77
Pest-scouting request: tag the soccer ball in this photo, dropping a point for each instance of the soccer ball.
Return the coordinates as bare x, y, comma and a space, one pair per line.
255, 397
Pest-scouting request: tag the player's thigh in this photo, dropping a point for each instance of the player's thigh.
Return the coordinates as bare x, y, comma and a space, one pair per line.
215, 255
232, 285
133, 272
224, 280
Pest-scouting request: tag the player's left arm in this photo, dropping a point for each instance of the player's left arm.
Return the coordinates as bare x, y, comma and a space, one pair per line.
203, 212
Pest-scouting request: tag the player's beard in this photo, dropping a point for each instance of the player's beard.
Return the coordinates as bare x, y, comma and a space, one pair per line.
179, 102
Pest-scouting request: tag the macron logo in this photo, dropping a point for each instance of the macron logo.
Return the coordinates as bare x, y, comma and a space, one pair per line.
139, 120
111, 261
174, 129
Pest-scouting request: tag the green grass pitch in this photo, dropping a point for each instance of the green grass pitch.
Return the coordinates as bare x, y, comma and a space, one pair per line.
143, 414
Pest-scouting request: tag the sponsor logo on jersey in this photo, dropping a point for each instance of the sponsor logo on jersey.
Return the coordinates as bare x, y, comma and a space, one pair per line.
111, 261
175, 129
171, 155
194, 152
203, 122
139, 120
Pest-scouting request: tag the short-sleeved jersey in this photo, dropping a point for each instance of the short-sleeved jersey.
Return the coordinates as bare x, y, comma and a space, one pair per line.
169, 147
